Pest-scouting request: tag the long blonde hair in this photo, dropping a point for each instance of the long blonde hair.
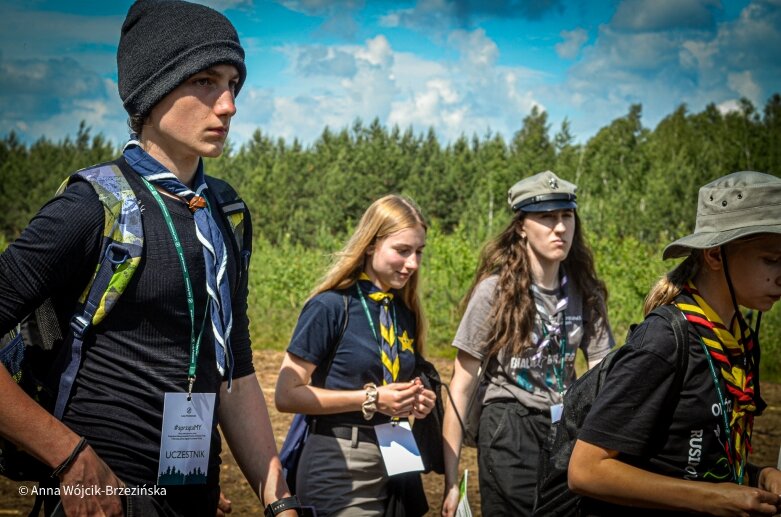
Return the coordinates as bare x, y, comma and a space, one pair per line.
670, 284
387, 215
512, 316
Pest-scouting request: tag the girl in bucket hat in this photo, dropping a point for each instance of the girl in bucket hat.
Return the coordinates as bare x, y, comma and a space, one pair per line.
684, 448
534, 302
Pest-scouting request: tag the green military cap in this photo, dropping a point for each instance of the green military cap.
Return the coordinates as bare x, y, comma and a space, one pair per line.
543, 192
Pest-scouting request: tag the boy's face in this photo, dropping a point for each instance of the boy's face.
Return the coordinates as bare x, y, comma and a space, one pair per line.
193, 120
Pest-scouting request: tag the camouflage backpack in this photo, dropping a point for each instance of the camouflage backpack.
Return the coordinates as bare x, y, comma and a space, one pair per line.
33, 353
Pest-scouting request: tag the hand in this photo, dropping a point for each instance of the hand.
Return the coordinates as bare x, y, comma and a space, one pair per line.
396, 399
770, 480
730, 500
450, 501
88, 470
424, 401
223, 505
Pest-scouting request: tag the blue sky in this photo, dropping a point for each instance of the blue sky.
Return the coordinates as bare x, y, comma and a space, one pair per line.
460, 66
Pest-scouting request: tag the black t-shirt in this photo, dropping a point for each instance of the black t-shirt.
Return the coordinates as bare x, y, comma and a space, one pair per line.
141, 349
678, 435
357, 360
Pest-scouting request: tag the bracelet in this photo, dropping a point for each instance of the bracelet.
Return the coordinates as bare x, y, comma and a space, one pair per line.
369, 406
67, 463
281, 505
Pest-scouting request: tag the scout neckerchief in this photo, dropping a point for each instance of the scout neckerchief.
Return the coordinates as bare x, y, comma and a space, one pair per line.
215, 256
554, 329
389, 349
729, 352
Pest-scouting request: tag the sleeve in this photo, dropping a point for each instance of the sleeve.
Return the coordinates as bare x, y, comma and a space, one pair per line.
635, 391
599, 338
475, 324
317, 327
55, 256
240, 336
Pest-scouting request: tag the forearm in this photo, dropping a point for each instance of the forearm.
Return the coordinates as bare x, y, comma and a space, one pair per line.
619, 483
452, 434
30, 427
245, 422
462, 389
311, 400
597, 473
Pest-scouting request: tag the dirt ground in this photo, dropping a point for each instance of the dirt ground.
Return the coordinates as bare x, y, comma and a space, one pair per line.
767, 439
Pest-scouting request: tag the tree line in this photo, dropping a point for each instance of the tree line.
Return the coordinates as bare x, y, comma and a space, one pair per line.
637, 190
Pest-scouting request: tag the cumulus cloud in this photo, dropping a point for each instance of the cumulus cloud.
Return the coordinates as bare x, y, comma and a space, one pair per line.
664, 64
338, 14
321, 60
42, 88
476, 49
224, 5
743, 84
445, 14
640, 15
469, 94
573, 42
321, 7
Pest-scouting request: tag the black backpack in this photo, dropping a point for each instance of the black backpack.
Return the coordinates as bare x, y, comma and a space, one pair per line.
553, 497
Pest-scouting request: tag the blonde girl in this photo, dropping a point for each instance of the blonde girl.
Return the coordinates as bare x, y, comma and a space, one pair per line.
370, 379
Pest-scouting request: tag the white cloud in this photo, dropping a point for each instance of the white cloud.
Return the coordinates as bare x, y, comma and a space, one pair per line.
641, 15
476, 49
224, 5
743, 83
463, 96
442, 15
730, 106
321, 60
320, 7
573, 42
665, 65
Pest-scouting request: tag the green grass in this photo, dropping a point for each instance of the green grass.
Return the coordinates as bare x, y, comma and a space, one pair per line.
282, 276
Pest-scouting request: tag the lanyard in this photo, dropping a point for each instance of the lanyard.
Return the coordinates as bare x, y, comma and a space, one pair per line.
371, 321
195, 342
737, 477
559, 371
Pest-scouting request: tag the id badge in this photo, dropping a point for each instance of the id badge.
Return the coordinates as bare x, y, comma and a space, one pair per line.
555, 412
185, 439
399, 450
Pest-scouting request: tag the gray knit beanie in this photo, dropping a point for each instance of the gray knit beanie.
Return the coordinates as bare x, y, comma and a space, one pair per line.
164, 42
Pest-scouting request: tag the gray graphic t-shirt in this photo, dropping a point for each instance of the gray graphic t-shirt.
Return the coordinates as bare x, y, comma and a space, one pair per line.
535, 377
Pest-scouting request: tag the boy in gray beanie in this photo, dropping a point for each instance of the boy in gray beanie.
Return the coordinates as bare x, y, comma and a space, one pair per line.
176, 343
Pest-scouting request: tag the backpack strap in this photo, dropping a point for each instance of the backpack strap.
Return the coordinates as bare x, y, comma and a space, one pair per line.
235, 212
679, 324
123, 241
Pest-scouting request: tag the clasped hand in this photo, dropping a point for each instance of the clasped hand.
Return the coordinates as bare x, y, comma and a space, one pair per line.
404, 399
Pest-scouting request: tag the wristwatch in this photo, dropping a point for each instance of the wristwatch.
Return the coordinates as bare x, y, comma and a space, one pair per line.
281, 505
369, 406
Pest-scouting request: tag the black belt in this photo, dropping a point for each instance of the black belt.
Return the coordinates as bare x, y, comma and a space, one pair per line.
345, 431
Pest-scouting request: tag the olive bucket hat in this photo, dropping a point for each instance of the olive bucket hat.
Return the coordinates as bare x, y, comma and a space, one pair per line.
734, 206
543, 192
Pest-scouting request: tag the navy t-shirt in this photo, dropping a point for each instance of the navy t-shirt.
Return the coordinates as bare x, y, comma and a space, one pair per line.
357, 359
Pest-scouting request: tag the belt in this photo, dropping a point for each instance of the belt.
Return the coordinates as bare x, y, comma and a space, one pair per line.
345, 431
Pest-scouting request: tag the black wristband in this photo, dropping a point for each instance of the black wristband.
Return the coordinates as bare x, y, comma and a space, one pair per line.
280, 505
67, 463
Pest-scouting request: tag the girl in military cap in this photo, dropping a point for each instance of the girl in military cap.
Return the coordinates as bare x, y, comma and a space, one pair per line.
683, 447
534, 302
